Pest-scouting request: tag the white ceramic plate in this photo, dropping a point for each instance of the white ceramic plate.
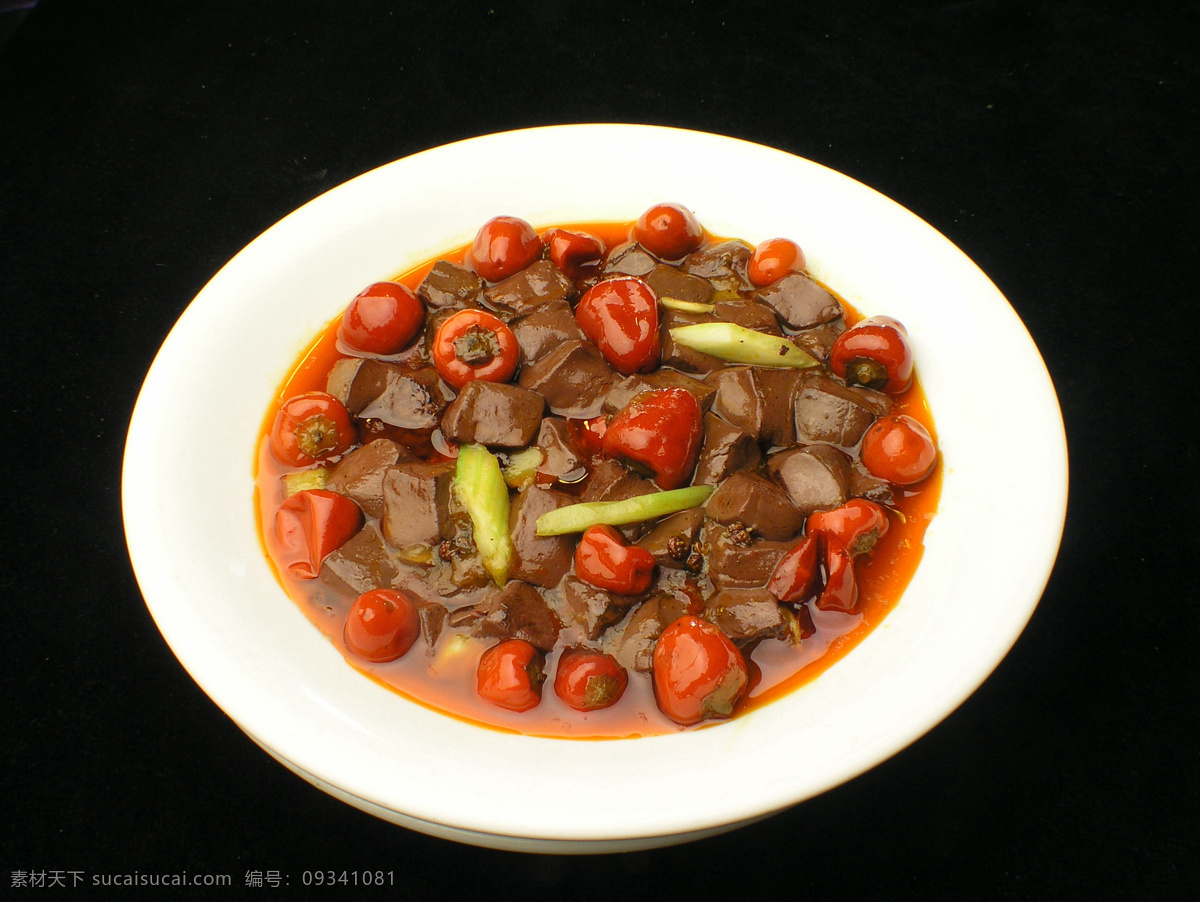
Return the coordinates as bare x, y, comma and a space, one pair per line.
189, 510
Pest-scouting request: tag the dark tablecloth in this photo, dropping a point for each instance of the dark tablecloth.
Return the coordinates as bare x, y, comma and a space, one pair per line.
143, 143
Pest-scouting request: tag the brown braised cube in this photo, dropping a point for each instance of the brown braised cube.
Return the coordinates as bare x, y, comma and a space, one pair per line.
495, 414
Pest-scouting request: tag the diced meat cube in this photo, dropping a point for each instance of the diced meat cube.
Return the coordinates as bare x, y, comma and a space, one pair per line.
668, 282
680, 598
593, 610
633, 645
359, 474
361, 564
530, 617
539, 283
416, 503
739, 399
734, 563
818, 341
800, 302
778, 386
448, 285
671, 539
560, 458
816, 477
341, 377
573, 378
872, 488
540, 332
748, 615
495, 414
748, 314
541, 560
628, 260
723, 264
758, 401
612, 482
398, 396
832, 413
756, 503
632, 641
725, 449
518, 611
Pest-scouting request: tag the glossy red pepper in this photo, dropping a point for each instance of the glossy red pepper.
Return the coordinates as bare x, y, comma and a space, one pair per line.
383, 318
668, 231
796, 574
310, 525
589, 680
698, 672
858, 523
577, 254
311, 428
604, 560
899, 449
473, 344
382, 625
773, 259
621, 317
874, 353
841, 586
510, 675
503, 246
660, 431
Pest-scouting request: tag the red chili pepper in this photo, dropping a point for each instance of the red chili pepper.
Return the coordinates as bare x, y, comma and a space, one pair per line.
669, 231
659, 430
841, 587
503, 246
899, 449
796, 573
588, 680
858, 523
383, 318
604, 560
698, 672
310, 525
473, 344
382, 625
774, 259
310, 428
511, 675
621, 317
875, 354
577, 254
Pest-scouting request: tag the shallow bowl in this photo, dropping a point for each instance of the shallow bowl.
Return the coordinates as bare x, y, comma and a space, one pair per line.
219, 606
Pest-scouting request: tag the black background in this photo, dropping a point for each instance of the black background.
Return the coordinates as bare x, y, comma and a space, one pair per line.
142, 144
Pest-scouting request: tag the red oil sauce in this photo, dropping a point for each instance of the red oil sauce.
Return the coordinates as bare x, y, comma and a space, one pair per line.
443, 678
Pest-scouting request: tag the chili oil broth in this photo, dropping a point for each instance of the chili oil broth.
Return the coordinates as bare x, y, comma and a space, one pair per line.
443, 678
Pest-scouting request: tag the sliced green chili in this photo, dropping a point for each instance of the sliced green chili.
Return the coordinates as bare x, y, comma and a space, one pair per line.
578, 517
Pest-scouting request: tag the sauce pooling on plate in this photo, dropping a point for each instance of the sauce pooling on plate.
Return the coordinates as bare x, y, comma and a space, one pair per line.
601, 481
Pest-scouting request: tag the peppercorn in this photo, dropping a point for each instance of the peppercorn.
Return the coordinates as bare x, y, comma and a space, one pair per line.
679, 548
738, 533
